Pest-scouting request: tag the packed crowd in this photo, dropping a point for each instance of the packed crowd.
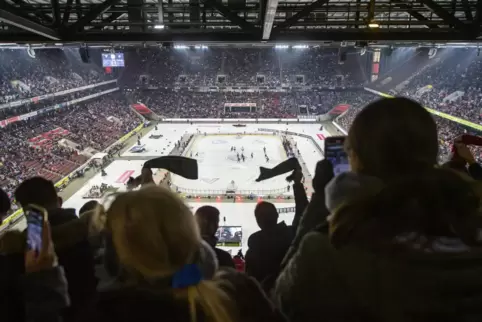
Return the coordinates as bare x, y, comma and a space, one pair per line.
51, 71
95, 124
457, 71
448, 131
187, 104
395, 239
6, 113
240, 66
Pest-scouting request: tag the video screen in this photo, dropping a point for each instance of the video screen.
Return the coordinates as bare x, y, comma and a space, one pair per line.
335, 153
230, 236
112, 59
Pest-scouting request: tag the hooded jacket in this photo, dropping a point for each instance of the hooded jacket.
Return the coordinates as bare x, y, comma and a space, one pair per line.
353, 282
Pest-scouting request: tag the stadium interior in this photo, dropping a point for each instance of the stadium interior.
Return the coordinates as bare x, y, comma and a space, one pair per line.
322, 157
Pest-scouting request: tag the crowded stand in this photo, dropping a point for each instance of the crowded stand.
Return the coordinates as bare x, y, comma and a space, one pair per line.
394, 239
448, 130
36, 105
52, 145
188, 104
450, 85
50, 71
167, 67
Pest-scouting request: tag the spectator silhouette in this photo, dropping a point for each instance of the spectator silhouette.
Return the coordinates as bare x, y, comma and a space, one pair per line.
404, 236
77, 260
167, 269
268, 246
207, 218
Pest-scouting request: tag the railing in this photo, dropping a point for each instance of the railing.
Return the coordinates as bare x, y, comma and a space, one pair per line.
256, 192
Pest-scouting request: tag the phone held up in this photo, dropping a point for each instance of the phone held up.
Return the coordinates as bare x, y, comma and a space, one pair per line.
336, 154
35, 216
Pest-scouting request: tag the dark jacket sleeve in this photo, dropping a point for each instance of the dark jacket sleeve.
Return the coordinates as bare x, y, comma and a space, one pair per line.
314, 215
301, 201
309, 289
316, 212
45, 295
475, 171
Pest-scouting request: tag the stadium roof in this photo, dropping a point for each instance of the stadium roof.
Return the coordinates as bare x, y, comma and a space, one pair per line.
249, 21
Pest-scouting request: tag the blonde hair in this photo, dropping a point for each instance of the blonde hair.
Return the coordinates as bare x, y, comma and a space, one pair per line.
155, 234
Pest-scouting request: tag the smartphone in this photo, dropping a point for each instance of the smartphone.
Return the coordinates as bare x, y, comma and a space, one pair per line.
335, 153
35, 222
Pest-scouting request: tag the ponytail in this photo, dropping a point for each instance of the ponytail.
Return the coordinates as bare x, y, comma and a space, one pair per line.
211, 299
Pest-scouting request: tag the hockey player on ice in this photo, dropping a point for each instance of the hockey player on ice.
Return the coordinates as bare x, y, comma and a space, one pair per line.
264, 149
242, 157
267, 159
197, 153
191, 154
252, 155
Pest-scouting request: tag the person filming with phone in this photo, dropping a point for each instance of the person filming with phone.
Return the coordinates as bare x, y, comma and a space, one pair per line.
77, 259
403, 240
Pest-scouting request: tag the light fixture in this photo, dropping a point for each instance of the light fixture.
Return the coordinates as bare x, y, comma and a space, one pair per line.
373, 24
159, 27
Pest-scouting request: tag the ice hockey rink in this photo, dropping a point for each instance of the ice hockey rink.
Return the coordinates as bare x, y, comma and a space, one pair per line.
171, 133
218, 165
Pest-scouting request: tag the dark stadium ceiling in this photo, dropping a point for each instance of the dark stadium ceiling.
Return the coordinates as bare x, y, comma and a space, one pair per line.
249, 21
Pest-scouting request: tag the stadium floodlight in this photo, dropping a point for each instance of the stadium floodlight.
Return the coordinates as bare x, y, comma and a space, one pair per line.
281, 46
373, 24
159, 27
300, 46
180, 47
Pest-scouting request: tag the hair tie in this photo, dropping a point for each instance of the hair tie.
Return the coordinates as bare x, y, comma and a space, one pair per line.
188, 275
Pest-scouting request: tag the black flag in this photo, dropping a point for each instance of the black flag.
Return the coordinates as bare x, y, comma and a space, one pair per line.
185, 167
285, 166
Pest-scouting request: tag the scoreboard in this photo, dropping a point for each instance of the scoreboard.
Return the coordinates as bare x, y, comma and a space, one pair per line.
112, 59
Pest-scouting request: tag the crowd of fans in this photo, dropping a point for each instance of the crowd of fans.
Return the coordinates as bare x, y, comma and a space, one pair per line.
96, 124
394, 239
51, 71
448, 131
167, 67
188, 104
456, 71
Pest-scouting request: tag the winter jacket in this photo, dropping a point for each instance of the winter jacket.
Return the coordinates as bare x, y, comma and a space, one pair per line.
78, 263
156, 302
45, 295
69, 235
33, 297
313, 213
354, 282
